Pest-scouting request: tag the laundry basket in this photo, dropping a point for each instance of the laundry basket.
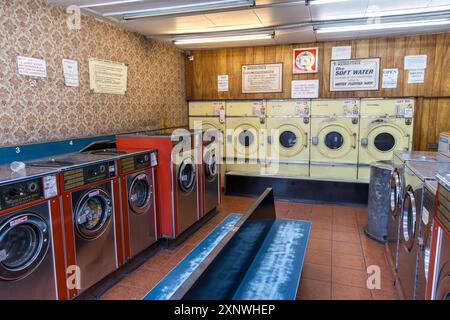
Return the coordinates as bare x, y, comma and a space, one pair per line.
379, 196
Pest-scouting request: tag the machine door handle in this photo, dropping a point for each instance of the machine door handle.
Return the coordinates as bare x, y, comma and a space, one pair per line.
229, 138
354, 141
269, 139
409, 139
315, 141
306, 140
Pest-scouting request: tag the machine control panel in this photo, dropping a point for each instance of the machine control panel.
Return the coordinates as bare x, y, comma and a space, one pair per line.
79, 177
20, 193
443, 207
139, 161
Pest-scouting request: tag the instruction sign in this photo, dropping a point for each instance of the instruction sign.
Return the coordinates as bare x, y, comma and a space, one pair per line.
305, 89
259, 78
32, 67
108, 77
355, 74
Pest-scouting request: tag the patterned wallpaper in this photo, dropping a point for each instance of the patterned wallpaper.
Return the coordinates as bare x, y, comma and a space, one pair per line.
51, 111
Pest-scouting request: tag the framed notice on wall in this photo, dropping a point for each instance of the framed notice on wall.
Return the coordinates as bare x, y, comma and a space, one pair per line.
305, 60
260, 78
108, 77
355, 74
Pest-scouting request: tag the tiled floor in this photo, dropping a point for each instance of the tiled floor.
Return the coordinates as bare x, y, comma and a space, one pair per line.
335, 265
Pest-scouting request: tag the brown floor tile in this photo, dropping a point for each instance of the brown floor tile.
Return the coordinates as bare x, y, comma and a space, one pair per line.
322, 224
348, 261
142, 278
348, 248
349, 277
351, 237
120, 292
314, 290
347, 228
316, 272
158, 261
320, 233
343, 292
384, 295
319, 245
318, 257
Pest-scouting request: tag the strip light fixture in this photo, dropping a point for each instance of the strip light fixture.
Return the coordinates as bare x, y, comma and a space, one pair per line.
319, 2
193, 7
383, 26
110, 3
216, 39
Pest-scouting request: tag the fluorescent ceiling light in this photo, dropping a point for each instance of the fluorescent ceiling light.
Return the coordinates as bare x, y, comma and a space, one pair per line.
381, 26
194, 7
245, 37
381, 13
111, 3
318, 2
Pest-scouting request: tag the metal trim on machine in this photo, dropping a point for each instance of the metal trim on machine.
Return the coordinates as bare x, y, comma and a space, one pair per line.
135, 208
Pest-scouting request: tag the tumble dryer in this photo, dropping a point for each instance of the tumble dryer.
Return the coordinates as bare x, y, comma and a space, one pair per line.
410, 242
245, 136
426, 233
334, 139
288, 137
439, 287
90, 202
179, 158
32, 265
386, 125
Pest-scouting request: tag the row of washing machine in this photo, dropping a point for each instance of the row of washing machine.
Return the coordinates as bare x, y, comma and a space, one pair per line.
331, 139
418, 242
68, 222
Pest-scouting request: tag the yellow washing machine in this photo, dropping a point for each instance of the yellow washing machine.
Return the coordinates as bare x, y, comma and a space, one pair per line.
245, 136
334, 139
288, 135
204, 115
386, 125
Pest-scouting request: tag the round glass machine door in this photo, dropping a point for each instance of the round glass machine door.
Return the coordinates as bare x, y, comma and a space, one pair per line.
292, 140
336, 141
210, 165
408, 219
139, 195
186, 175
245, 141
93, 214
383, 139
24, 242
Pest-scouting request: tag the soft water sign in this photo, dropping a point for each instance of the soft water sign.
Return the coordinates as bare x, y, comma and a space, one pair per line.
355, 74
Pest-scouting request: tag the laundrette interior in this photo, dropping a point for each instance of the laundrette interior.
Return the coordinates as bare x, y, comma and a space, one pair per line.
224, 150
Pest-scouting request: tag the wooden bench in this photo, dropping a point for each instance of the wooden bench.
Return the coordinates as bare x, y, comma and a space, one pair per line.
251, 256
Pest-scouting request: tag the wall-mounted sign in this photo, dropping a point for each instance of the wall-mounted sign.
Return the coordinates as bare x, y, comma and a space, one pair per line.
259, 78
222, 83
416, 76
341, 53
70, 68
355, 74
390, 77
108, 77
305, 60
415, 62
305, 89
32, 67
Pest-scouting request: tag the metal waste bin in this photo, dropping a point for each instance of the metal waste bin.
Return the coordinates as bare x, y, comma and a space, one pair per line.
379, 197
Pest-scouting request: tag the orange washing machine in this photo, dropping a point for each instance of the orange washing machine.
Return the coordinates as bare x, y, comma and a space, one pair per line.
179, 197
92, 227
32, 263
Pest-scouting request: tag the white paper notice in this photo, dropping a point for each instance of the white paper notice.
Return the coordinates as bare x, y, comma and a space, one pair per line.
70, 68
390, 77
108, 77
415, 62
416, 76
222, 82
341, 53
32, 67
304, 89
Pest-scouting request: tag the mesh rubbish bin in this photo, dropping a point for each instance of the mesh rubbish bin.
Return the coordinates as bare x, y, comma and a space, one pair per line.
379, 197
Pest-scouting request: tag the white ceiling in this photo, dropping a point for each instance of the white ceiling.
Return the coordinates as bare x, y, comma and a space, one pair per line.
271, 14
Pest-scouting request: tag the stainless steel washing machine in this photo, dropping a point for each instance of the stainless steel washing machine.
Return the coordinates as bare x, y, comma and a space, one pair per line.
28, 258
415, 175
441, 285
397, 193
426, 229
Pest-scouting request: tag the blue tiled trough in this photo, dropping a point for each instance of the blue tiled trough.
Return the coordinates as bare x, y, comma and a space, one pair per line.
246, 257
